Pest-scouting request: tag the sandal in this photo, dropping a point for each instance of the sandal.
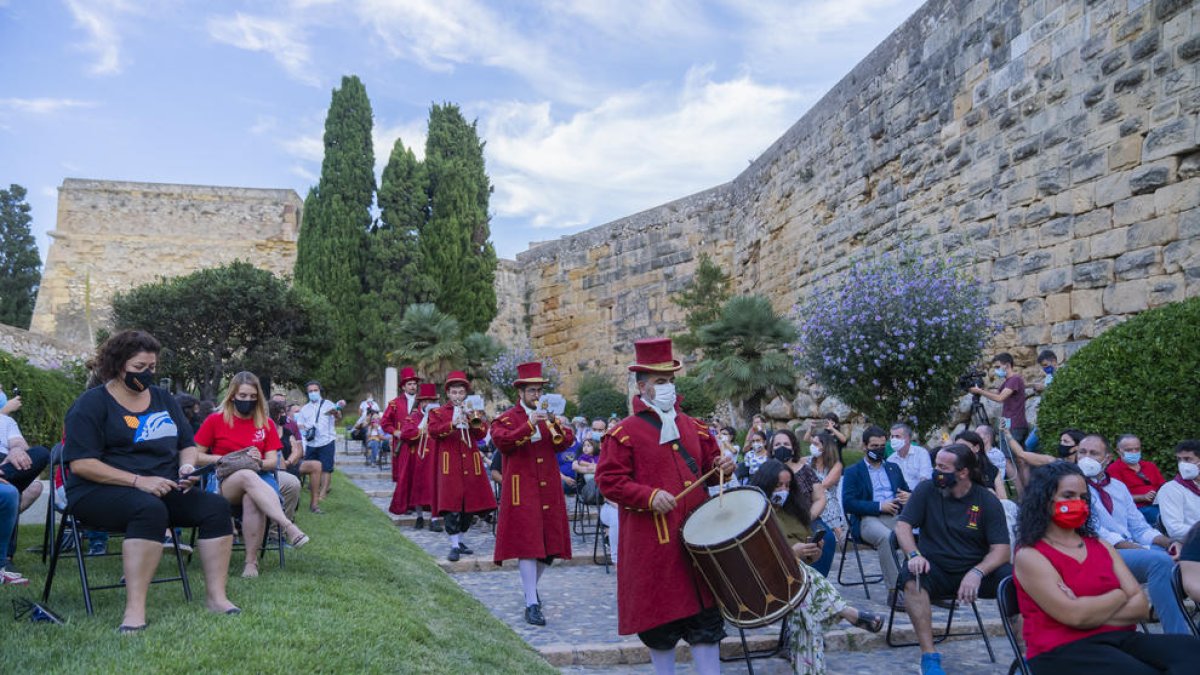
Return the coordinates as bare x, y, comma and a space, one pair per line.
126, 630
299, 540
869, 621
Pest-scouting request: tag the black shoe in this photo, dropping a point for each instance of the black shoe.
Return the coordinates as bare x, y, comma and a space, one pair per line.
533, 615
435, 526
462, 548
420, 525
453, 556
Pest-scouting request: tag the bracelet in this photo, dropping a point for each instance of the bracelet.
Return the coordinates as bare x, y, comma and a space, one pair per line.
914, 554
978, 571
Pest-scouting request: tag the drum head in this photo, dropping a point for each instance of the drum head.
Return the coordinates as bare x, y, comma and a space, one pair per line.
717, 521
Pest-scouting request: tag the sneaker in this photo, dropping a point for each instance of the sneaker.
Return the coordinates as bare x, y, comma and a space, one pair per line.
931, 664
10, 578
97, 548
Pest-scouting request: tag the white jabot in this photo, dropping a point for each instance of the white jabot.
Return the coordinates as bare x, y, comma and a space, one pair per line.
669, 431
412, 401
537, 434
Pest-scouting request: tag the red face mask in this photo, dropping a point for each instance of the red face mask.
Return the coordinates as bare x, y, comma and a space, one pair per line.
1070, 514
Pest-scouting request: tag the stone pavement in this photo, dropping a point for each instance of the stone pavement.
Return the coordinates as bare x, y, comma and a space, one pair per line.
579, 601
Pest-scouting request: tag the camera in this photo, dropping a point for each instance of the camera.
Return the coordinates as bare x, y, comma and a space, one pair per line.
972, 378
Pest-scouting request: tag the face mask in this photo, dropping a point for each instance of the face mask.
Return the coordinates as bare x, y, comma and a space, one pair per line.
999, 373
139, 381
875, 455
1049, 370
896, 444
597, 436
664, 396
244, 407
314, 396
3, 399
945, 479
757, 445
783, 453
1131, 457
1065, 450
1188, 471
1070, 514
814, 450
1090, 467
779, 497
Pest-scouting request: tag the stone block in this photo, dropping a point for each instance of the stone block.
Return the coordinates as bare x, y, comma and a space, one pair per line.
1075, 201
1137, 264
1126, 297
1093, 222
1109, 244
1006, 267
1112, 188
1088, 166
1087, 303
1133, 210
1147, 179
1189, 224
1033, 311
1058, 307
1178, 197
1054, 281
1171, 138
1055, 231
1154, 232
1034, 335
1189, 165
1180, 254
1092, 274
1125, 153
1036, 261
1060, 332
779, 408
1165, 289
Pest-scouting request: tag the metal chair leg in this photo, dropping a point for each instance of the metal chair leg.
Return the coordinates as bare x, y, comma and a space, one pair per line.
187, 588
55, 549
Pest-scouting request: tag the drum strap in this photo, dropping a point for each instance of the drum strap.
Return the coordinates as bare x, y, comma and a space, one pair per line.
653, 420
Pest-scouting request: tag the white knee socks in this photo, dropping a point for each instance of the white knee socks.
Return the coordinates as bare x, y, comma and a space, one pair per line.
663, 660
529, 569
706, 658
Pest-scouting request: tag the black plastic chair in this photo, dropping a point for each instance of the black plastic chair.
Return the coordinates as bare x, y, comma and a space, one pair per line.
782, 646
1181, 598
953, 605
865, 580
581, 517
1006, 601
266, 544
600, 544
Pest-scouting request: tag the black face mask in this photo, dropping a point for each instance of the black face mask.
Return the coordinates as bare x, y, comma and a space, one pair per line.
783, 454
945, 479
139, 381
875, 455
244, 407
1065, 450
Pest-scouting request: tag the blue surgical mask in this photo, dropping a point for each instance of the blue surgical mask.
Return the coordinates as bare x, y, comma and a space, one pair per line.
3, 399
1049, 370
1132, 457
314, 396
999, 372
597, 436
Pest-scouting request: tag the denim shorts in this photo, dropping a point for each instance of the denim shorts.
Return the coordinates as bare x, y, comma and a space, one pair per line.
323, 453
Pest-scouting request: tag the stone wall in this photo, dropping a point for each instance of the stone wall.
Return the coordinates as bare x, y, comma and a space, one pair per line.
111, 236
1052, 144
41, 350
512, 297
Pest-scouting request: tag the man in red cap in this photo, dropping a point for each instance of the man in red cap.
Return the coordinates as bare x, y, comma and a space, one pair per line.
532, 525
414, 486
397, 411
645, 460
463, 487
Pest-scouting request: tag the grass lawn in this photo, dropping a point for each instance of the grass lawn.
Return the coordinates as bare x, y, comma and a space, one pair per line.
359, 598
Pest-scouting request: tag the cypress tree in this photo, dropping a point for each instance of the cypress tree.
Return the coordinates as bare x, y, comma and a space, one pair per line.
330, 260
20, 264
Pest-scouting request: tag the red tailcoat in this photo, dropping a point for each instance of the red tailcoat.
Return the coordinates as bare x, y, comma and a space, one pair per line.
533, 511
656, 582
393, 419
463, 484
415, 487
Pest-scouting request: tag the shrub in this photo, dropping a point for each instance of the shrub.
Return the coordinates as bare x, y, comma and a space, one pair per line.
695, 397
45, 397
603, 403
1140, 377
891, 336
594, 381
503, 371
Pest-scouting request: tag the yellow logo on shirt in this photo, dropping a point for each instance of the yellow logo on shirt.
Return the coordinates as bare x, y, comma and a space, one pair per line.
131, 421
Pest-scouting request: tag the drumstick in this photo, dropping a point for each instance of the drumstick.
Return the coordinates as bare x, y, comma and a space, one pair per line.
698, 482
721, 488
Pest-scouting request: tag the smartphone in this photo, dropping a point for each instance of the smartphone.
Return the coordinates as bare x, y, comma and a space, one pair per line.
201, 472
817, 537
16, 391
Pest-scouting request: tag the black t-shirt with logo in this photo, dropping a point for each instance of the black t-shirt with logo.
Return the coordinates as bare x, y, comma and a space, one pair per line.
145, 443
955, 533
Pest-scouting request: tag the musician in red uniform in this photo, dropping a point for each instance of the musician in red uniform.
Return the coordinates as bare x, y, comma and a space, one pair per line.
464, 489
397, 411
532, 525
645, 460
415, 488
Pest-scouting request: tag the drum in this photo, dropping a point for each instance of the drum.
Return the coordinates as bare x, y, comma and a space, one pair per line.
738, 548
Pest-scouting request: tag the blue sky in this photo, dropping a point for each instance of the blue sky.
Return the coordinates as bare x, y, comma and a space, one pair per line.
591, 109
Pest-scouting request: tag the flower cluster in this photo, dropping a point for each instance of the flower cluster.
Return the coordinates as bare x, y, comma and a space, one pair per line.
503, 371
892, 335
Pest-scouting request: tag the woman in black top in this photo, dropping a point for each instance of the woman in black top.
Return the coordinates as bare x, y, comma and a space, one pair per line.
128, 448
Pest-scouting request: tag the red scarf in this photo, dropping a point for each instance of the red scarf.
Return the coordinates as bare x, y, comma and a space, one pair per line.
1099, 484
1189, 484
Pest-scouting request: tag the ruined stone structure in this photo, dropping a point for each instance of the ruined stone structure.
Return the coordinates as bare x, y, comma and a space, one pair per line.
112, 236
1054, 144
42, 351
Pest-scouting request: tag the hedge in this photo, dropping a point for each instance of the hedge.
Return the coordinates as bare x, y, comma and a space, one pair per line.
45, 397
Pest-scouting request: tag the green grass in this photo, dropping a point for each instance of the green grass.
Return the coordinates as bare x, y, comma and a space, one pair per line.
359, 598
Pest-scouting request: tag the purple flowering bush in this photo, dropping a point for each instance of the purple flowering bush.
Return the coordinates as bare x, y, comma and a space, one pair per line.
891, 336
504, 370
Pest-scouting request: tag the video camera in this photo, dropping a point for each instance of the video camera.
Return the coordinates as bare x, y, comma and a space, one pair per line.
972, 378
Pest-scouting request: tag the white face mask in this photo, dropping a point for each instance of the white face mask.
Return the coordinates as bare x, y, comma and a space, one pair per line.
896, 443
814, 450
1188, 471
779, 497
1090, 467
664, 396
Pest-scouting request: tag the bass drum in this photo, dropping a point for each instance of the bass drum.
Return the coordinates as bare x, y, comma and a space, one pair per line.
739, 549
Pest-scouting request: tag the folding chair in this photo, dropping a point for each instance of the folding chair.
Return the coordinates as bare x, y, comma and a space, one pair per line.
601, 547
892, 548
865, 580
1181, 597
237, 522
1006, 601
782, 646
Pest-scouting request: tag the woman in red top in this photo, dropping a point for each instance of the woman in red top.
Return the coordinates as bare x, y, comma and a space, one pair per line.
242, 422
1080, 603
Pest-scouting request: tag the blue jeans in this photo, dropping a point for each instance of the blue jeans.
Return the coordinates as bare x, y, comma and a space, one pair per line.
1150, 511
1154, 568
10, 501
825, 562
374, 447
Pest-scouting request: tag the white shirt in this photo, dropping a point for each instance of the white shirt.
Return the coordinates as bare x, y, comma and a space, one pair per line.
1125, 523
322, 421
916, 467
8, 431
1179, 509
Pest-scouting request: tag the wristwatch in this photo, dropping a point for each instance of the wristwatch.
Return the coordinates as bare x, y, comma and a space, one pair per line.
914, 554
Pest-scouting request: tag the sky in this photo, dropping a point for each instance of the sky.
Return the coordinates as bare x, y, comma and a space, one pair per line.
590, 109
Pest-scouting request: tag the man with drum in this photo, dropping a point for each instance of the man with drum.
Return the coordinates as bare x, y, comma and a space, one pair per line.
646, 459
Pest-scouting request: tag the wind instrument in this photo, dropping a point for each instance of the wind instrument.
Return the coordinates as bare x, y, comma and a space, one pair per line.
556, 434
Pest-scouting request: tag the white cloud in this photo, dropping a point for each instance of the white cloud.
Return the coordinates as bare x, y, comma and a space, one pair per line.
383, 137
281, 38
49, 192
299, 170
263, 124
43, 106
99, 18
309, 147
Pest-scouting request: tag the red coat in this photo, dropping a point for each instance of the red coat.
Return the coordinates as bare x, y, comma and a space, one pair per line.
391, 421
656, 582
463, 484
415, 487
533, 511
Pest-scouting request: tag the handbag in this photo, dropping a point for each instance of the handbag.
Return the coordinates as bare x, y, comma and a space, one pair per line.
229, 464
310, 434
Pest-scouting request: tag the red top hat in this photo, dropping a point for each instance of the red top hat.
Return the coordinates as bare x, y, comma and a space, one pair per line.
406, 374
529, 373
427, 392
457, 377
654, 356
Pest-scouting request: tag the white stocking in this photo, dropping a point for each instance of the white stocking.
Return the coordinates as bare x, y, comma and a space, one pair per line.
529, 574
706, 658
663, 660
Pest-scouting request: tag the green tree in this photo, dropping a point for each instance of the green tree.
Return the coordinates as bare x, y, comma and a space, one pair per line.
337, 216
694, 396
46, 395
745, 353
237, 318
431, 340
701, 299
20, 265
458, 255
481, 352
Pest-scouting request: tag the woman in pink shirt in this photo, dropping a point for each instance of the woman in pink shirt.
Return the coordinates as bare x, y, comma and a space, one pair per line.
1080, 603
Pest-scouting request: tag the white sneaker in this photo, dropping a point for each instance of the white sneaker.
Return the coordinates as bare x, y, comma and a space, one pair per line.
12, 579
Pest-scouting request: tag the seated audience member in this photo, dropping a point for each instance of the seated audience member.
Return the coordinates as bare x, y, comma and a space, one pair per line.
376, 438
1179, 499
128, 451
291, 454
756, 453
993, 479
566, 470
585, 463
190, 405
994, 454
243, 423
1080, 603
823, 459
1141, 476
913, 460
20, 466
9, 498
1067, 441
1189, 563
963, 551
1120, 524
873, 493
809, 495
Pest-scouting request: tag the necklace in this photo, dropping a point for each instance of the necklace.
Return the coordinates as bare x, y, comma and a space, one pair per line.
1062, 545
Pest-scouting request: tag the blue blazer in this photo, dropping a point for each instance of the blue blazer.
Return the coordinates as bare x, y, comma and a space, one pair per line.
858, 497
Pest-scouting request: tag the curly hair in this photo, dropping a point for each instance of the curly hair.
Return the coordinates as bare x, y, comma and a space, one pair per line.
111, 356
1034, 516
799, 501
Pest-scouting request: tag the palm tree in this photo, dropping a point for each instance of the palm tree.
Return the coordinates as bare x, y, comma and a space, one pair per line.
430, 339
481, 351
745, 356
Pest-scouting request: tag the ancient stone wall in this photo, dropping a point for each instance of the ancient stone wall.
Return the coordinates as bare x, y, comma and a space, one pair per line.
510, 325
1053, 144
111, 236
41, 350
